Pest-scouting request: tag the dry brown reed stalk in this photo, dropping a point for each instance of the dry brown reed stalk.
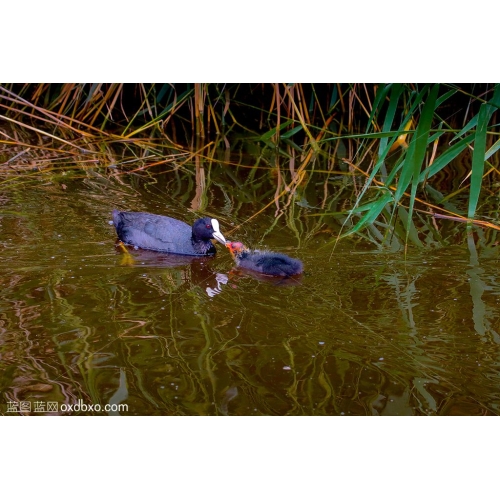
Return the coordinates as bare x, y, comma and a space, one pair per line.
276, 96
295, 182
39, 131
98, 105
48, 117
464, 219
199, 104
302, 121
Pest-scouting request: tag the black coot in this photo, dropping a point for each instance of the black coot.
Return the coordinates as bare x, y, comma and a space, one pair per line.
271, 263
164, 234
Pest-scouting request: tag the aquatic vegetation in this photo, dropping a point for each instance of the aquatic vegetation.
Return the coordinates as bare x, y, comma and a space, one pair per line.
386, 162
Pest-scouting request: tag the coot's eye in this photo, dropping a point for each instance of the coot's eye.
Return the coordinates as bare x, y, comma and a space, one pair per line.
209, 226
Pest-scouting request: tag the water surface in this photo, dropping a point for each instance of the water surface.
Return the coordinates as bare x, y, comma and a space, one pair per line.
363, 332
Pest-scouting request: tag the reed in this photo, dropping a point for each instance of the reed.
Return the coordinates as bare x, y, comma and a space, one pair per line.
398, 140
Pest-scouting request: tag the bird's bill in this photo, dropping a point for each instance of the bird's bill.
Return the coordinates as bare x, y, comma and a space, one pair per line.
229, 246
217, 234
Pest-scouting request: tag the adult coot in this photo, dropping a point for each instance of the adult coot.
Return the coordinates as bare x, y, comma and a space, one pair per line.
164, 234
271, 263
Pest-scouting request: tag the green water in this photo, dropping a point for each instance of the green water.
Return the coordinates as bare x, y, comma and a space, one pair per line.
364, 331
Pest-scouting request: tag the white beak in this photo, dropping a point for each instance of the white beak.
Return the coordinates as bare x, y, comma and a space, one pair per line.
217, 234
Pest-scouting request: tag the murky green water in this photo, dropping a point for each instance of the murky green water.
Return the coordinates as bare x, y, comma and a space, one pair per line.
363, 332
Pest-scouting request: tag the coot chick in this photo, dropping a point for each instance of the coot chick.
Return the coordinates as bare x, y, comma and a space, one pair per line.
270, 263
164, 234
